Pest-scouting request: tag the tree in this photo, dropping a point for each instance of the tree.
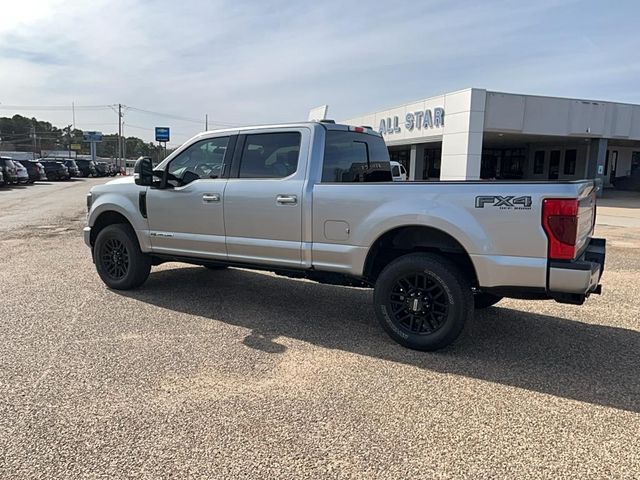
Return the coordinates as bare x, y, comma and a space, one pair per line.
16, 133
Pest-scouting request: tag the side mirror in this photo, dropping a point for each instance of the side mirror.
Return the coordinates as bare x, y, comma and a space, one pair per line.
143, 172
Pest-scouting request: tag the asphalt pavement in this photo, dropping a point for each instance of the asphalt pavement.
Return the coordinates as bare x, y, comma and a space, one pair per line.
240, 374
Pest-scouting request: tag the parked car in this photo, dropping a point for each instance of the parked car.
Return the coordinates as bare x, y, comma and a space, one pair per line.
72, 166
23, 175
86, 167
55, 170
35, 170
1, 178
102, 169
316, 200
9, 170
398, 172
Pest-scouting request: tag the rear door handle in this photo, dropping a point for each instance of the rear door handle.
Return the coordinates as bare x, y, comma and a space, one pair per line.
286, 199
210, 197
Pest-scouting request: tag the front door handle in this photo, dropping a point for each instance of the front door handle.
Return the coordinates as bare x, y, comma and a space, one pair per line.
286, 199
210, 197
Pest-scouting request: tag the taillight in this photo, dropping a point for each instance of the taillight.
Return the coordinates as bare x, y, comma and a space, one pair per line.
560, 223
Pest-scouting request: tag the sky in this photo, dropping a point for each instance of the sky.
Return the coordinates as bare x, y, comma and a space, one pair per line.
247, 62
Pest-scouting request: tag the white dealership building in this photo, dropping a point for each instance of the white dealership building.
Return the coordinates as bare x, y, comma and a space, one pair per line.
478, 134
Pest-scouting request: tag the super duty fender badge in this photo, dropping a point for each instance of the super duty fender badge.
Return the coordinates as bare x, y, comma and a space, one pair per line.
504, 203
161, 234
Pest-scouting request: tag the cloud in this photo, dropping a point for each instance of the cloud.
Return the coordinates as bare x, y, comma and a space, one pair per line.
263, 61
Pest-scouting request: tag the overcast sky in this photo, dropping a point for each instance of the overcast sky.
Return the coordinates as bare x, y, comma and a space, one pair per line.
269, 61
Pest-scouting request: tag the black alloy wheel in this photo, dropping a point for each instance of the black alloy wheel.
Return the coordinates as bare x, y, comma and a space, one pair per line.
419, 303
115, 258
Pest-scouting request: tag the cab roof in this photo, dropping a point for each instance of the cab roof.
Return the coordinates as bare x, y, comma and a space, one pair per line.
326, 124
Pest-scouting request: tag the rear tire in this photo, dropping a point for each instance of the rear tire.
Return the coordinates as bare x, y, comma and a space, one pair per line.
485, 300
118, 258
423, 301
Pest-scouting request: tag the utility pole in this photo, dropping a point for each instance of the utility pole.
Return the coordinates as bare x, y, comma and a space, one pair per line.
206, 122
119, 134
73, 111
33, 138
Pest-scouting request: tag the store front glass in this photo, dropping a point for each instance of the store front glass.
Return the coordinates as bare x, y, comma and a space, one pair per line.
402, 156
432, 161
503, 163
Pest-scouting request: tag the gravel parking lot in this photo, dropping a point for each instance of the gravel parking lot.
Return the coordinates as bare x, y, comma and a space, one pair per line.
239, 374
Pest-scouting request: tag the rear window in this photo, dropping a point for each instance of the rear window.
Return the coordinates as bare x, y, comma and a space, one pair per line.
355, 157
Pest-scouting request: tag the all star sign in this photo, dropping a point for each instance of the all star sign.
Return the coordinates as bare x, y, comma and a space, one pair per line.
422, 119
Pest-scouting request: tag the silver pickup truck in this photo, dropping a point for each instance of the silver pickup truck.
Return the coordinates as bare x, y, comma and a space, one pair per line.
316, 200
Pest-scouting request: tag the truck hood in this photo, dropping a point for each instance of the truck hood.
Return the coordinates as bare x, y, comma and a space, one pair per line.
121, 180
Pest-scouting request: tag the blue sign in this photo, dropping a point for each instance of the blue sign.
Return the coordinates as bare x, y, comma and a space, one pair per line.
162, 134
92, 137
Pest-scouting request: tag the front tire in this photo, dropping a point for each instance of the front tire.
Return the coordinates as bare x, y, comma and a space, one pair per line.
216, 267
423, 301
118, 258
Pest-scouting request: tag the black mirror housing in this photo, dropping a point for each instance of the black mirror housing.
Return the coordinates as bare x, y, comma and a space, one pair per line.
143, 172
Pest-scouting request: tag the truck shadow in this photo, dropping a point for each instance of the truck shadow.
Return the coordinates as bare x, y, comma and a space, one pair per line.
570, 359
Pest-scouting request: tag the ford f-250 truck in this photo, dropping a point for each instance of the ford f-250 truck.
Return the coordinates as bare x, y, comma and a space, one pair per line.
316, 200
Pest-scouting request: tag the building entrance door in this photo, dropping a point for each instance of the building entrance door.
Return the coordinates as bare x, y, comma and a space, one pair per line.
432, 161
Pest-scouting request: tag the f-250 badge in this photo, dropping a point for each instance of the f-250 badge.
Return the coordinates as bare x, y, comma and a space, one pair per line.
504, 203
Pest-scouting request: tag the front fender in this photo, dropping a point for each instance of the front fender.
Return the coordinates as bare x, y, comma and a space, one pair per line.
126, 206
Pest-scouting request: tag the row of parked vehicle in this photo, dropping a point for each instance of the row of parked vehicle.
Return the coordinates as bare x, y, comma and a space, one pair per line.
29, 171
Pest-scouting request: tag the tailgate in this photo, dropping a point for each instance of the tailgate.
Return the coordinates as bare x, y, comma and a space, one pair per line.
586, 217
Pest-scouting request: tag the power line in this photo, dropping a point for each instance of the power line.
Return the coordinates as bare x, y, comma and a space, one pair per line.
71, 108
67, 108
178, 117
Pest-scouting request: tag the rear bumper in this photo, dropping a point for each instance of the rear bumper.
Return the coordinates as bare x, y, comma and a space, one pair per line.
572, 282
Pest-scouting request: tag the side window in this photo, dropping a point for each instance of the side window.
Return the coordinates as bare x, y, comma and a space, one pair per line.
355, 157
204, 159
270, 155
395, 171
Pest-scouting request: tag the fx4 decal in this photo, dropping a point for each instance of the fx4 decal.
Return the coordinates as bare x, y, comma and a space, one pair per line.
504, 203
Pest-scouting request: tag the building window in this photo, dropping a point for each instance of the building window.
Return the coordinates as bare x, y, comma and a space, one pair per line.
554, 165
570, 162
538, 162
635, 162
502, 164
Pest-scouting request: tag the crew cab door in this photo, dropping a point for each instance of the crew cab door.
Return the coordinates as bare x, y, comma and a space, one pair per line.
263, 197
187, 217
